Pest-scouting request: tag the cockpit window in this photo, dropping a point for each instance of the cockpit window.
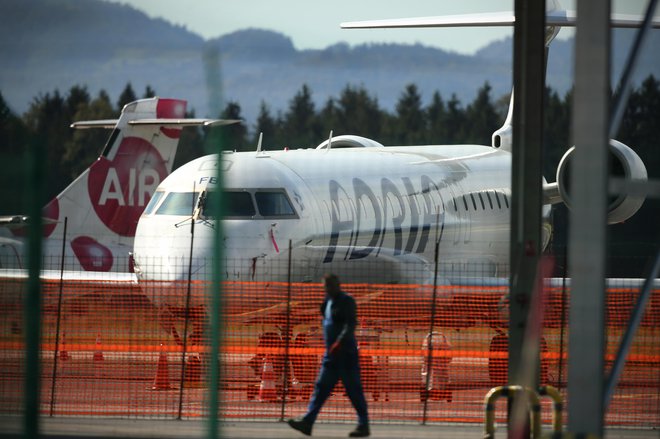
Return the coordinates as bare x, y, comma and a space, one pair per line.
153, 202
178, 203
238, 204
274, 204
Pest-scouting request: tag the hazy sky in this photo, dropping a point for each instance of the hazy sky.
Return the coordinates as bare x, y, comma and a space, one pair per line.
315, 24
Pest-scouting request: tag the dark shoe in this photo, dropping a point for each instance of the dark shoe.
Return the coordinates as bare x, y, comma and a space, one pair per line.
301, 425
360, 431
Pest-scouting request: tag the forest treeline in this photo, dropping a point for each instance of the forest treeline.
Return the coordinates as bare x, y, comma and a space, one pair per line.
302, 124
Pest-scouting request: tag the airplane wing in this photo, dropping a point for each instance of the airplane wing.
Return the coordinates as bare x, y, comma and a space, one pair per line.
69, 275
71, 285
490, 19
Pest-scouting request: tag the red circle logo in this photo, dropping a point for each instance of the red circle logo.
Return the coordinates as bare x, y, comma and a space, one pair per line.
120, 189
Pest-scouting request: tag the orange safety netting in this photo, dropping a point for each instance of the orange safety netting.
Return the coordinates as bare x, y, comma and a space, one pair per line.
115, 348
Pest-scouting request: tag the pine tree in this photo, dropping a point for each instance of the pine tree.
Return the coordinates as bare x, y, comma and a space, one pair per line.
411, 118
126, 96
437, 120
358, 113
235, 136
48, 121
13, 144
455, 121
192, 141
267, 125
300, 122
329, 119
556, 131
482, 117
84, 146
148, 92
77, 98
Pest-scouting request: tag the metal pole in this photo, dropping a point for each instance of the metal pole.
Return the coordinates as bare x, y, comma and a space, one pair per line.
32, 299
429, 356
526, 191
587, 237
215, 144
187, 309
287, 335
57, 325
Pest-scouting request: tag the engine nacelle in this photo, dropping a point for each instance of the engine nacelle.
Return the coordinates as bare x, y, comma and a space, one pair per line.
623, 163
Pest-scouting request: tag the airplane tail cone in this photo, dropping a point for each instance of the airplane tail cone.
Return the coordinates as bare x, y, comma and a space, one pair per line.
98, 353
64, 354
162, 379
267, 391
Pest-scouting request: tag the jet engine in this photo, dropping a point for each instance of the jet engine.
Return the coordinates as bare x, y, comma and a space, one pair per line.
623, 163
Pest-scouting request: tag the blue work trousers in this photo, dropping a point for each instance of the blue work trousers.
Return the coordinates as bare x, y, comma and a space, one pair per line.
333, 369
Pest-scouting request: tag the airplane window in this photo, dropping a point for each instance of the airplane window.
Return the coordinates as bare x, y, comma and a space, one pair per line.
178, 203
465, 202
153, 202
274, 204
497, 197
474, 203
483, 205
506, 200
237, 204
490, 200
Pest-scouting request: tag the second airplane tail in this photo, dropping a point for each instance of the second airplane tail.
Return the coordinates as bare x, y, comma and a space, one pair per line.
102, 206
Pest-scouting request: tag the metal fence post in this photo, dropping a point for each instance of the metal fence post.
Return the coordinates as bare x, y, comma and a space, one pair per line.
288, 333
57, 325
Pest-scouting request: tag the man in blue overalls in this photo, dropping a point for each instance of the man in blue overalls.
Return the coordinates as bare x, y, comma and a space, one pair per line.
340, 359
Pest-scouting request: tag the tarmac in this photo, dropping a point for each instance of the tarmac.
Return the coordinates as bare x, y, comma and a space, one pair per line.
69, 427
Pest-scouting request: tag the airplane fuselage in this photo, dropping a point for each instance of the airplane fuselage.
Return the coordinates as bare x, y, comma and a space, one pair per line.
370, 214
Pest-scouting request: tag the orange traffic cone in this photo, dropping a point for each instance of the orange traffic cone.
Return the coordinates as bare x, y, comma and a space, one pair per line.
98, 353
267, 391
162, 379
193, 375
64, 355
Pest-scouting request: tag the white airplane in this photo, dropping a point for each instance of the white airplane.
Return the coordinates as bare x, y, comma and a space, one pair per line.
352, 206
103, 205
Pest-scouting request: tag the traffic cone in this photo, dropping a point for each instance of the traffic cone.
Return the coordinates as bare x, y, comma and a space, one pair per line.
64, 354
98, 353
194, 373
267, 391
162, 379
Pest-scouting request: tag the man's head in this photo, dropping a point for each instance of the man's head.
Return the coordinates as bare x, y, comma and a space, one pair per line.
331, 284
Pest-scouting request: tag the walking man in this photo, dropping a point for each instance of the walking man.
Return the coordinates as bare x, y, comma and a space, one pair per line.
340, 360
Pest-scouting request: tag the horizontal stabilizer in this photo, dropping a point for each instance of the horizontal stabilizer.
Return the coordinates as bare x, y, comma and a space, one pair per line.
22, 221
490, 19
87, 124
112, 123
185, 122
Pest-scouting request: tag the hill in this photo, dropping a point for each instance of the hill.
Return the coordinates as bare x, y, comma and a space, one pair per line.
105, 45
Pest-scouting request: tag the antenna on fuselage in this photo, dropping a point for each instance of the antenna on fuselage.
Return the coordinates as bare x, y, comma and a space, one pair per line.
330, 140
261, 136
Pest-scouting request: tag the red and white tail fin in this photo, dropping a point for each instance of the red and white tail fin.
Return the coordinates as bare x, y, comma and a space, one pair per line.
102, 206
